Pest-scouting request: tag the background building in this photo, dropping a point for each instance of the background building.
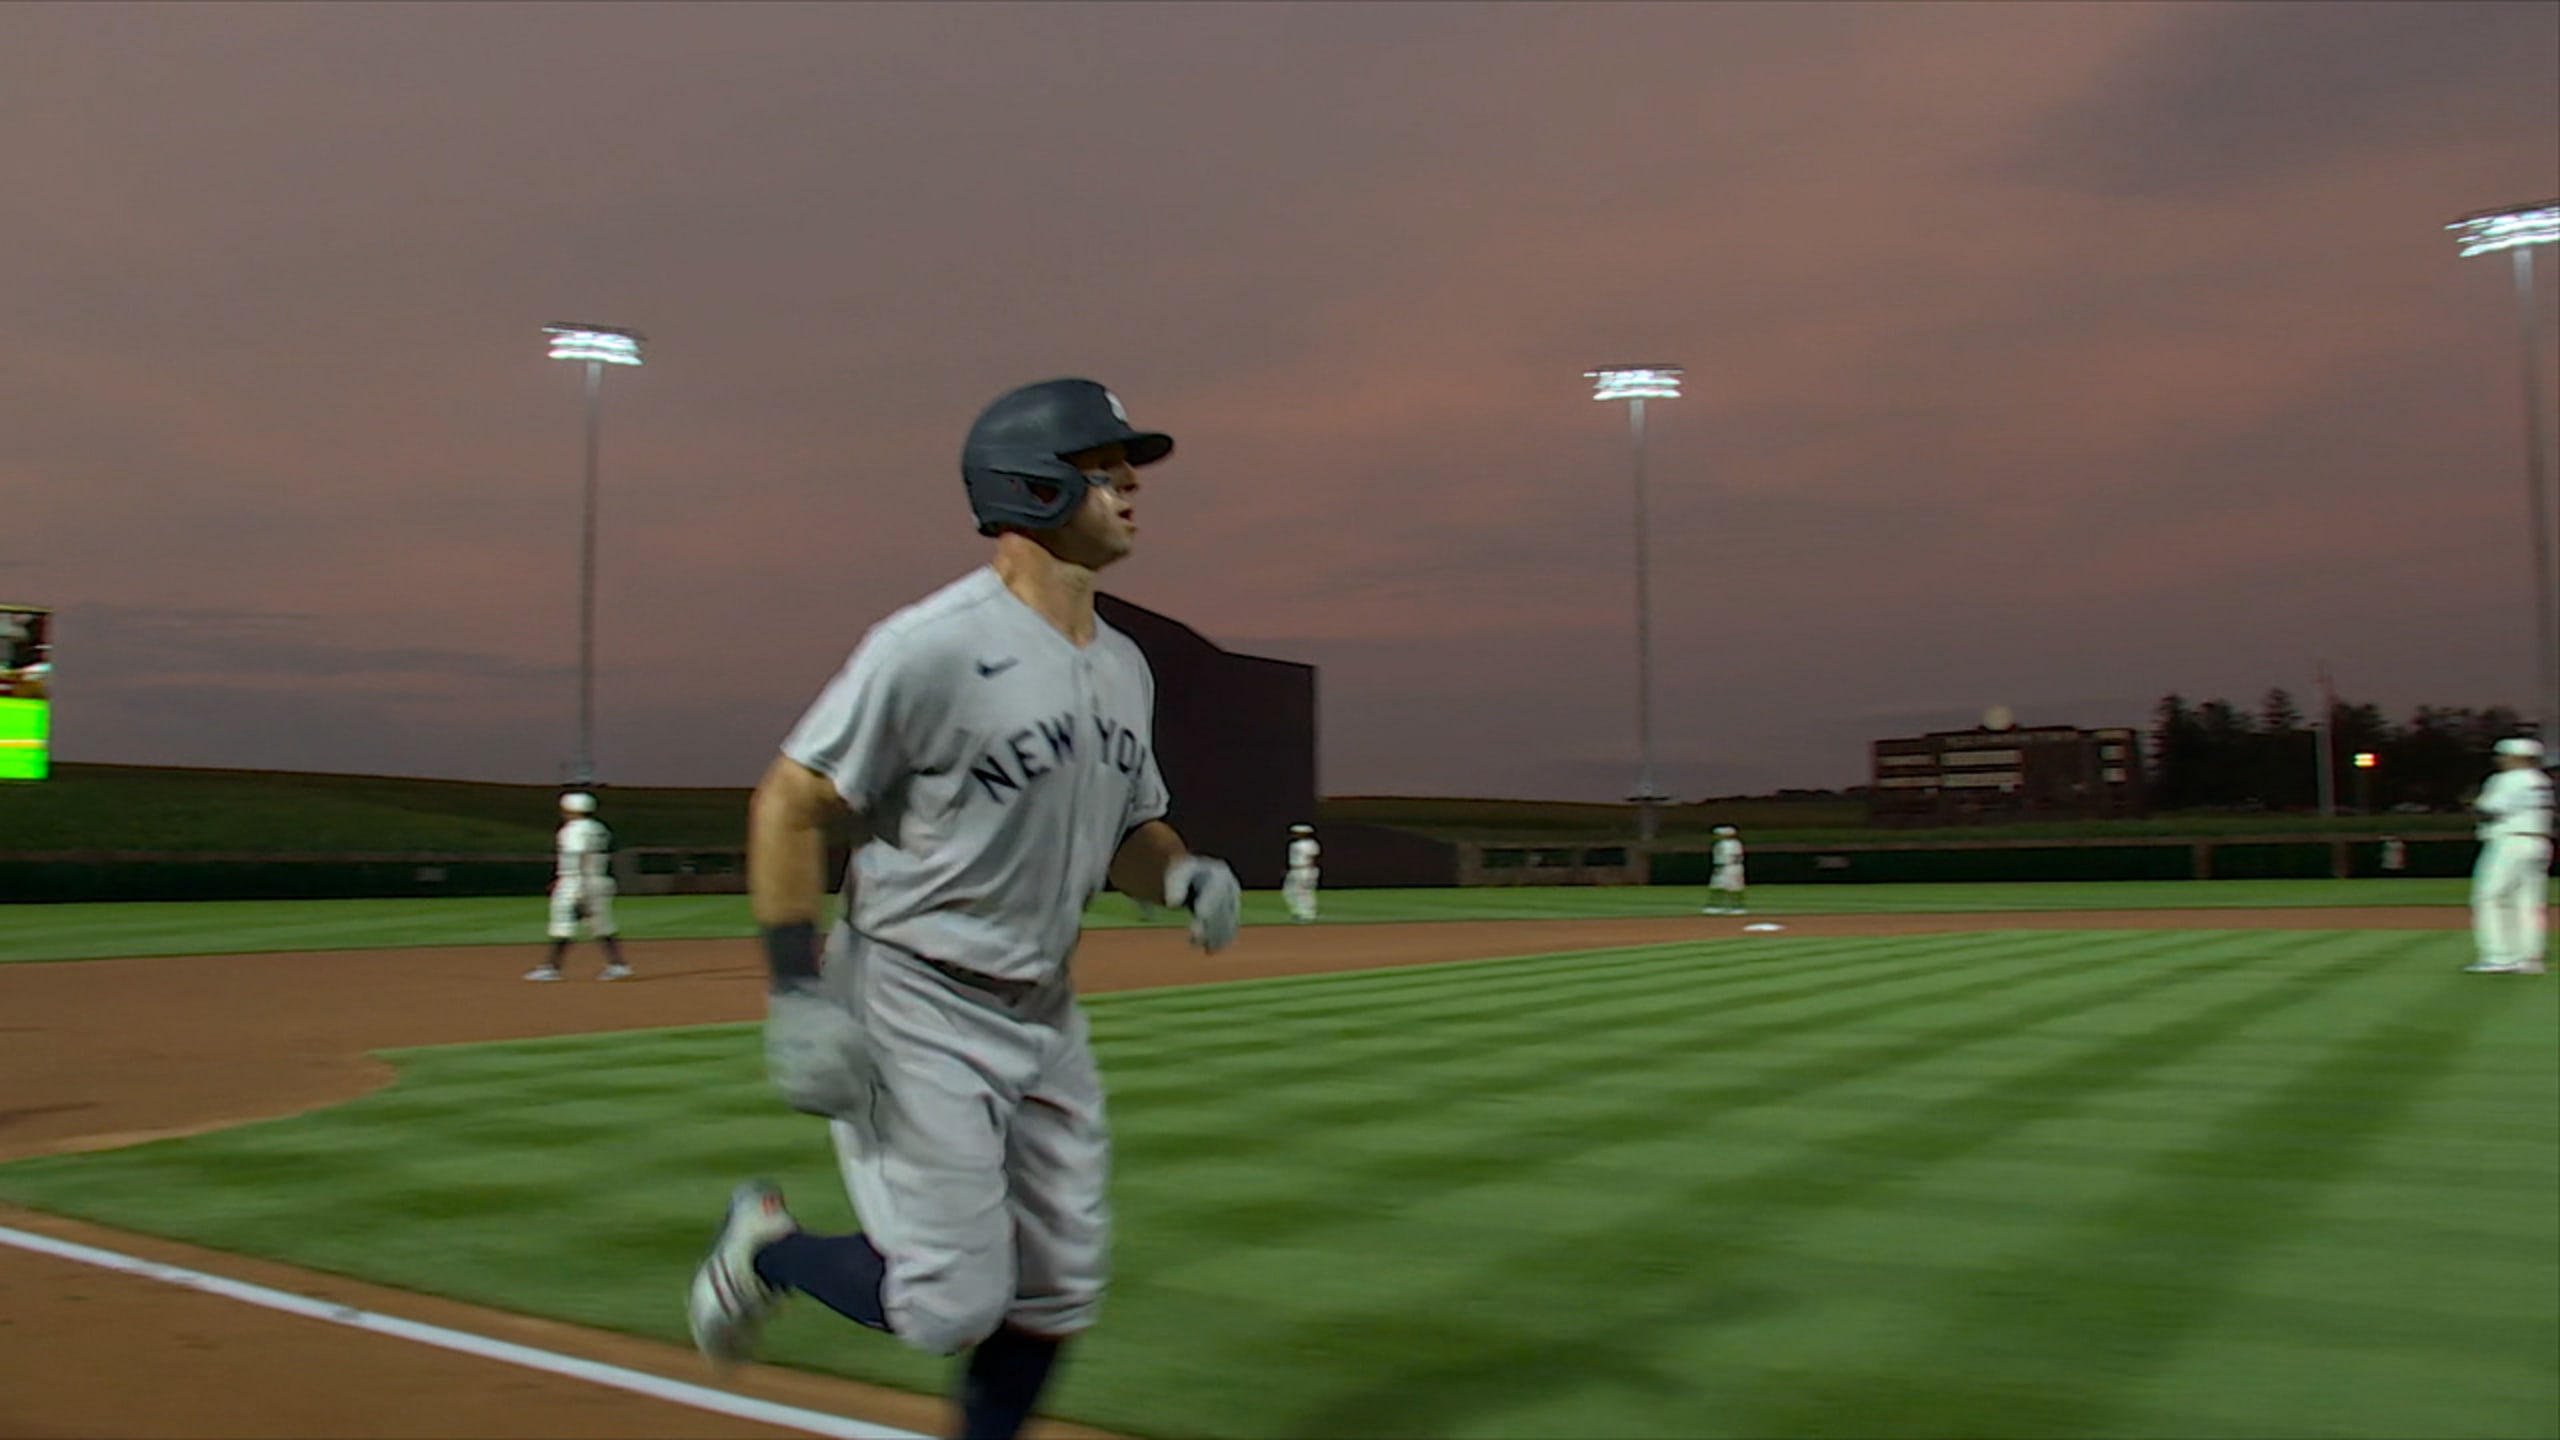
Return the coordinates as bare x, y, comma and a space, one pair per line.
1236, 736
2002, 772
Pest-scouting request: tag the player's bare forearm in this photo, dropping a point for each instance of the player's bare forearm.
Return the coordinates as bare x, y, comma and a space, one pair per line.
1139, 865
786, 862
787, 842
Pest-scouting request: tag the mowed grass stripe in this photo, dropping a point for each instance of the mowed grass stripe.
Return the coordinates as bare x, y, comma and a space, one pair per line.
1679, 978
1552, 1054
1316, 996
1464, 1370
1146, 1035
1385, 1150
2131, 1282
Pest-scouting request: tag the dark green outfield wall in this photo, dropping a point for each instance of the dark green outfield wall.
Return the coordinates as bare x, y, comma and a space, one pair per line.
265, 877
94, 876
2176, 860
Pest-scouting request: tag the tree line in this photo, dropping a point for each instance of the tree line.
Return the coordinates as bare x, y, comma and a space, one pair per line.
2218, 756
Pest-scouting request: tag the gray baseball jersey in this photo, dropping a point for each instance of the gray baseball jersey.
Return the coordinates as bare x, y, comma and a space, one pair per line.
997, 765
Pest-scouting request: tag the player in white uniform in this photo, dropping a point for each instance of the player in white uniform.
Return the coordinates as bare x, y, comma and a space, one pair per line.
1727, 879
995, 743
1298, 886
582, 889
2510, 884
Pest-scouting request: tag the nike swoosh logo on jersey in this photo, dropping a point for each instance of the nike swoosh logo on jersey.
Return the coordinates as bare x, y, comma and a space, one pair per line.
990, 669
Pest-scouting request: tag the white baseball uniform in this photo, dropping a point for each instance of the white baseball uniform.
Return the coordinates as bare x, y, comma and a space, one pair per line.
1298, 886
998, 767
1727, 857
582, 879
2510, 882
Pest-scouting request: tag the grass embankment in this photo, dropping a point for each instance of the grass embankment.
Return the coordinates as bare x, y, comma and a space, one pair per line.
131, 807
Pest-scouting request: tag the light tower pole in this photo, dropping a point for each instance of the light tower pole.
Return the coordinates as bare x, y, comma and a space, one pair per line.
1636, 384
2519, 229
598, 346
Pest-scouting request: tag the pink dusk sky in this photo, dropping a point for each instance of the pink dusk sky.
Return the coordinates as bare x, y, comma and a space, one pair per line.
2050, 355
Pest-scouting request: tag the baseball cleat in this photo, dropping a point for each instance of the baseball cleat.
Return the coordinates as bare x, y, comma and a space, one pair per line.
730, 1301
543, 972
2491, 967
615, 971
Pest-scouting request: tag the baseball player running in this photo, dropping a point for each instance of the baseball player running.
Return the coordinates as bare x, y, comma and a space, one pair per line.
582, 889
994, 741
2510, 882
1298, 885
1727, 879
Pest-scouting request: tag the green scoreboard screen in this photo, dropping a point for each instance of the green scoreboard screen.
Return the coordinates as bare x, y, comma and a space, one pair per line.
26, 692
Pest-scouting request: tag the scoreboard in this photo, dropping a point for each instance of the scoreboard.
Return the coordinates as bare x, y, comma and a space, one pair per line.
26, 692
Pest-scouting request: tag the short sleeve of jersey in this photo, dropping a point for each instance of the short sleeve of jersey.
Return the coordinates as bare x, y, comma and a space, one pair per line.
855, 732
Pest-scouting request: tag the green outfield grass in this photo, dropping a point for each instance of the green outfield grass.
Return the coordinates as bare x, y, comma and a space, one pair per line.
231, 927
2022, 1184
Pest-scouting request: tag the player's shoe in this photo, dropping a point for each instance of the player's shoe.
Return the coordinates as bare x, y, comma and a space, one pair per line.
615, 971
543, 972
730, 1301
2492, 967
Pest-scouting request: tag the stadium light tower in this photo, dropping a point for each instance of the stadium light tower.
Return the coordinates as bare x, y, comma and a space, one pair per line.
2519, 229
598, 346
1636, 384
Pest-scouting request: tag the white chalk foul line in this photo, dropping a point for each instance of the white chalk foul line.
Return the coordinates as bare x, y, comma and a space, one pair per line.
656, 1387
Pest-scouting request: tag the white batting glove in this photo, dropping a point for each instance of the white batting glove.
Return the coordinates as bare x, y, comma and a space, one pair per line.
813, 1053
1208, 889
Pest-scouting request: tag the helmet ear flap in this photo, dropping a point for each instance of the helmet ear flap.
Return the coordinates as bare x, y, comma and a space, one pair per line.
1002, 491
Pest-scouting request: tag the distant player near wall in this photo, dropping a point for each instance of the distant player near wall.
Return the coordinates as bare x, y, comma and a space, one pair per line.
582, 889
1727, 880
1298, 887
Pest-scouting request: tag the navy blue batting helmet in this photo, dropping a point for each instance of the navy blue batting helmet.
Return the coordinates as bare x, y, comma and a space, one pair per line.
1018, 446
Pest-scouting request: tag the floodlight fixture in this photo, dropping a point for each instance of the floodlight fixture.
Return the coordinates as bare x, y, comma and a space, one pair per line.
1635, 382
598, 344
2366, 760
2520, 230
2490, 231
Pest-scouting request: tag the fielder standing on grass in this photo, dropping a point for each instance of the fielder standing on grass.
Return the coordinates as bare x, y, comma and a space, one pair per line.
2510, 883
1298, 886
1726, 882
582, 889
994, 741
